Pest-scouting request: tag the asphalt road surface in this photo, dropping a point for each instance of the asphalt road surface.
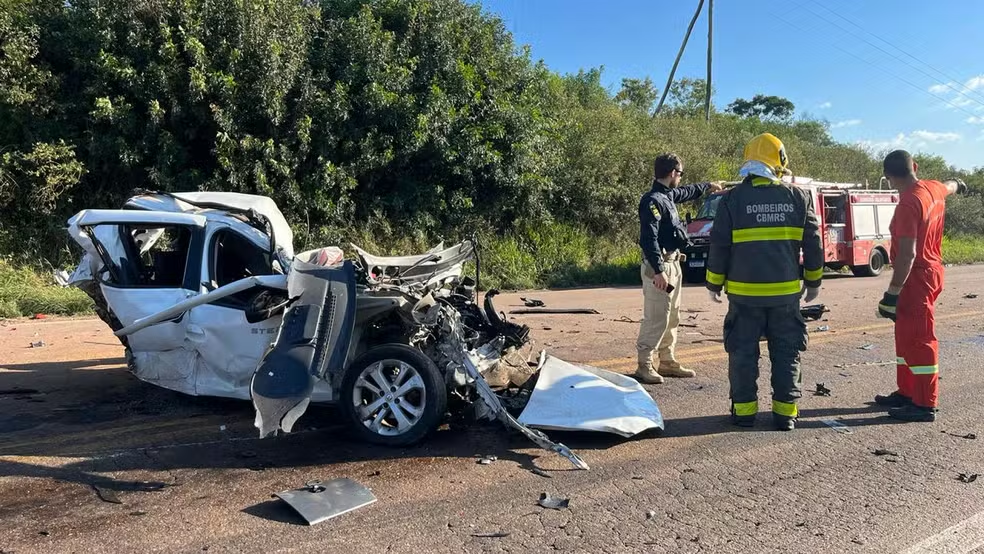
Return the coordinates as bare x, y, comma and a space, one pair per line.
92, 460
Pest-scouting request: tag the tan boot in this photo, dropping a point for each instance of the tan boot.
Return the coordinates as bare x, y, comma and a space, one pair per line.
646, 374
675, 370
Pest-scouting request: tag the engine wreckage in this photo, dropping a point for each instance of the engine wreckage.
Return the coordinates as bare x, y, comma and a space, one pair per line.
205, 292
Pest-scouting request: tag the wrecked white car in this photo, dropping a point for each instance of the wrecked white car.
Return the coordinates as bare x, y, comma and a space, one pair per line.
206, 294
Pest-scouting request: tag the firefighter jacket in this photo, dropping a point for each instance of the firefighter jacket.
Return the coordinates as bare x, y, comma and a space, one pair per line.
661, 227
758, 231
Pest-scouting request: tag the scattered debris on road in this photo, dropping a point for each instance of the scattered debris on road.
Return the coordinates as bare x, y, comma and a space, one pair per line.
553, 503
692, 325
38, 344
39, 316
842, 366
821, 390
837, 426
626, 319
868, 346
552, 311
883, 452
822, 329
499, 535
533, 303
813, 312
970, 436
321, 501
486, 460
970, 296
967, 478
107, 495
650, 514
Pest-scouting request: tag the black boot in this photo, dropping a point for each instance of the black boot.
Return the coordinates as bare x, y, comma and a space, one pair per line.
743, 420
894, 400
784, 423
913, 413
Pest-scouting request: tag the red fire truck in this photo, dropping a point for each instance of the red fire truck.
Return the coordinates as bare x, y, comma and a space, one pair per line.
853, 222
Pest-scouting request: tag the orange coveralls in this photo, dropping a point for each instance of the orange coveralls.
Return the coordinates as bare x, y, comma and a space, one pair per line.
919, 215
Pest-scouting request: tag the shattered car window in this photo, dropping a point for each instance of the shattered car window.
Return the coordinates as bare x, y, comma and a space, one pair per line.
159, 256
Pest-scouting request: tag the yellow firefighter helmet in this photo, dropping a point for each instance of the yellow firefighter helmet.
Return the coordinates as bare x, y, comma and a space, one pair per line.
768, 149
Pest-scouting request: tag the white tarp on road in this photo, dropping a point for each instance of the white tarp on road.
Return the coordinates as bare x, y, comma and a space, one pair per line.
583, 398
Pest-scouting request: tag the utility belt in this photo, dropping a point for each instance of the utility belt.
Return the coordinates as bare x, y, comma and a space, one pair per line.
674, 256
669, 256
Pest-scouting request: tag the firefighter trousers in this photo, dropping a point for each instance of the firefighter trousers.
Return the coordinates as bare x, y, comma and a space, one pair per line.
660, 315
916, 346
785, 330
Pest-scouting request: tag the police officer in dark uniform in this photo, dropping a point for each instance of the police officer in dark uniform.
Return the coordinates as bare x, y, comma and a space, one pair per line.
661, 237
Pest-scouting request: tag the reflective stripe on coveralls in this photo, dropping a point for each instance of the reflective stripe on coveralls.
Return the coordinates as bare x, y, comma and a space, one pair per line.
787, 409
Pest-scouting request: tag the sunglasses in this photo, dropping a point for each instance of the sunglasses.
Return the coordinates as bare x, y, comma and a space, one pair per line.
678, 171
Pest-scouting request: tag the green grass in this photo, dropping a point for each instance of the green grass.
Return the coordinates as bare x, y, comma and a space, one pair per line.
25, 292
557, 256
963, 249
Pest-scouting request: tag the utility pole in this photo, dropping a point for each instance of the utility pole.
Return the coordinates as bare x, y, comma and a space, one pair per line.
710, 42
676, 62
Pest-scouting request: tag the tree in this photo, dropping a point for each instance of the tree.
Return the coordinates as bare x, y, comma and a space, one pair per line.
775, 108
638, 94
686, 98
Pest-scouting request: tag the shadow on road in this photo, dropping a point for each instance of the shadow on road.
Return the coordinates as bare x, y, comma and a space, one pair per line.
808, 419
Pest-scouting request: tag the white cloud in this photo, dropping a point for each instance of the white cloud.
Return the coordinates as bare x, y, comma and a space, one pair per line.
974, 120
941, 89
930, 136
975, 83
912, 141
847, 123
825, 106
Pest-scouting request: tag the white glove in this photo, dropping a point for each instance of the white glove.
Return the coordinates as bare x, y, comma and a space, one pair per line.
811, 293
714, 296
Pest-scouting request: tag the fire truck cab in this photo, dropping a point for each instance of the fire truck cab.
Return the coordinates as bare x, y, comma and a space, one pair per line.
854, 223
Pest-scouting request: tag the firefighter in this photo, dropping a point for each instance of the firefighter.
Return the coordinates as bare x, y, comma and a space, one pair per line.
917, 280
758, 231
662, 236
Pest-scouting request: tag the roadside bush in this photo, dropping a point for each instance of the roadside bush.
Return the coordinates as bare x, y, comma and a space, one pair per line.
25, 292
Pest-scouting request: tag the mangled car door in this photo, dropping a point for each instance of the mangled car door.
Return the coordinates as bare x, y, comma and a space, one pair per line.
145, 263
232, 333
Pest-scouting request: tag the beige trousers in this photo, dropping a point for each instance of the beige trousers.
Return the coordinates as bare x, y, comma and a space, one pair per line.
661, 315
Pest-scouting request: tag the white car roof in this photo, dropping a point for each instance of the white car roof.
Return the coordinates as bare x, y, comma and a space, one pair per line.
216, 201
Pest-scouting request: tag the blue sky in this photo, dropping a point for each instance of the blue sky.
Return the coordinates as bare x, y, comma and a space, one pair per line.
888, 73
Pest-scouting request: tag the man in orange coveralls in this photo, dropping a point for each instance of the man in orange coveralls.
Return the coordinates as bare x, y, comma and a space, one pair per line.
917, 280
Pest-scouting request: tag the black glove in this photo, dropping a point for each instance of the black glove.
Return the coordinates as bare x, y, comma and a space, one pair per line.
886, 308
962, 187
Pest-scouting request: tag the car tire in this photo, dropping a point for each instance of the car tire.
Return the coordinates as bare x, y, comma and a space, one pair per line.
876, 263
400, 367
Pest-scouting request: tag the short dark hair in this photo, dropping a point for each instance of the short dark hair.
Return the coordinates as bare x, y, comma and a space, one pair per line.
665, 164
898, 163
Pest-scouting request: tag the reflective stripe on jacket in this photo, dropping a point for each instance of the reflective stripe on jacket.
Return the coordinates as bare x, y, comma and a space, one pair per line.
758, 231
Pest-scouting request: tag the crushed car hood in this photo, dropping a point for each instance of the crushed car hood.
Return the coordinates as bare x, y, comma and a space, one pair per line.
583, 398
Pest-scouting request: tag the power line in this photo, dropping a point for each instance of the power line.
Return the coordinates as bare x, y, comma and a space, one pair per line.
894, 75
966, 90
866, 41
